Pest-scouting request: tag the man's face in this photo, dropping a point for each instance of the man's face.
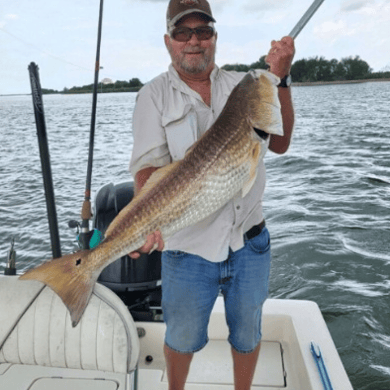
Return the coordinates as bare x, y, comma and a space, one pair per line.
195, 56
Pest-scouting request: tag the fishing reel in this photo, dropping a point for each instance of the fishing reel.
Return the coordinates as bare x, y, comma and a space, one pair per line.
87, 240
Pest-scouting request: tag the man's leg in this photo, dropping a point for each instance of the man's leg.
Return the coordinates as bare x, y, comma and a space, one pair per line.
244, 368
245, 293
178, 366
189, 290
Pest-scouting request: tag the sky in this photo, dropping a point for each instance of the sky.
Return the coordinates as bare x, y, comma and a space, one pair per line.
61, 36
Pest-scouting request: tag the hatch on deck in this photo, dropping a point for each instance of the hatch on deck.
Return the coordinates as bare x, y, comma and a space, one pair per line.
74, 383
214, 365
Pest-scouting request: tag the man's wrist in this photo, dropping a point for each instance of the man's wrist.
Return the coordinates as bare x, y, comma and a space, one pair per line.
285, 82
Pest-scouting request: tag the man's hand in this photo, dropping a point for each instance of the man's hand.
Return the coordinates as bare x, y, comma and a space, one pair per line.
280, 56
153, 242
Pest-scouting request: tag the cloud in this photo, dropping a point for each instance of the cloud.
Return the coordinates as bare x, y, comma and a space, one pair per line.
80, 24
218, 5
246, 53
376, 8
7, 17
355, 5
265, 5
332, 30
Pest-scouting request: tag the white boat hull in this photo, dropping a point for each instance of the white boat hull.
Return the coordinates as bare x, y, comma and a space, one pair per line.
285, 360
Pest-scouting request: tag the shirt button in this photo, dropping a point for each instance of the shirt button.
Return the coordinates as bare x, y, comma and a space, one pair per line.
238, 207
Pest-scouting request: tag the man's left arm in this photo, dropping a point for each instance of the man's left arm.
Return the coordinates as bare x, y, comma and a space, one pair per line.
280, 59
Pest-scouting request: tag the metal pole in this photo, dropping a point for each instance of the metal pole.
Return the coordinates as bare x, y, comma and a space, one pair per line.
45, 158
305, 18
86, 212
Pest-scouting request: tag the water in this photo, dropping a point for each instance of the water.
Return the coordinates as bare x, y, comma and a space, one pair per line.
327, 202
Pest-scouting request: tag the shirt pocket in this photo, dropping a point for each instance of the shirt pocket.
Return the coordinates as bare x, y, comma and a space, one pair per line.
181, 131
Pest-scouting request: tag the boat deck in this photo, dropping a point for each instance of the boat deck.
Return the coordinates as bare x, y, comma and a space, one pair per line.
212, 368
285, 360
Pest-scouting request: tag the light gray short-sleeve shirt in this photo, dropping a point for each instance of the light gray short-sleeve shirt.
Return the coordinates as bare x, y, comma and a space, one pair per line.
168, 118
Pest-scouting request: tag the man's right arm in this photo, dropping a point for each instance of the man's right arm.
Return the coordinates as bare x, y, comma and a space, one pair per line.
147, 133
141, 177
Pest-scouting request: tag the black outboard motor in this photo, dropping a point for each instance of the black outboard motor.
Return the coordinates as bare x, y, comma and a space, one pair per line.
136, 282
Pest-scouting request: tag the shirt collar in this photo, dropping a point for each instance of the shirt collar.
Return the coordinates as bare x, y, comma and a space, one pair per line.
180, 85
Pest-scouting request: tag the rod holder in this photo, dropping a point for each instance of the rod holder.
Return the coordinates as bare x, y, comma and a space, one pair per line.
10, 269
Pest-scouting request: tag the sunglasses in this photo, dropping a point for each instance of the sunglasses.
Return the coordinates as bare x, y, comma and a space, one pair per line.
184, 34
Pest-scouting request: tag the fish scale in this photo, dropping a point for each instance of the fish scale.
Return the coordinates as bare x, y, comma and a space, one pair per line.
221, 165
215, 194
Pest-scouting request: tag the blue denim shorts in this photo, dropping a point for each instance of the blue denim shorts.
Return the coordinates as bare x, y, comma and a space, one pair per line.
191, 284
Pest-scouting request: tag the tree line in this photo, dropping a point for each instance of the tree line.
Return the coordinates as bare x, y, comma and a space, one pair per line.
133, 85
320, 69
305, 70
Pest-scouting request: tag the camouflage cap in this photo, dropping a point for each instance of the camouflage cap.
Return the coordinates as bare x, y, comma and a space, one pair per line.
179, 8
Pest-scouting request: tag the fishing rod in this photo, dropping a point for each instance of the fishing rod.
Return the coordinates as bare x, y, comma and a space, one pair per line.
86, 211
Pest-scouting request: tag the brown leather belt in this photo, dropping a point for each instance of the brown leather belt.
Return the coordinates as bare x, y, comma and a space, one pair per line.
255, 230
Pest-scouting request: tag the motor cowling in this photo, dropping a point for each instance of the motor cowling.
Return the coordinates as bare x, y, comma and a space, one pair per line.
125, 274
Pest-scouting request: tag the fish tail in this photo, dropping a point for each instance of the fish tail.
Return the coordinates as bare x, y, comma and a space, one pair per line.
265, 106
70, 278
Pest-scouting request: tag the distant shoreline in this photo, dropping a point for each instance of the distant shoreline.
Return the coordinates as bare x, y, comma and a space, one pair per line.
294, 84
317, 83
16, 94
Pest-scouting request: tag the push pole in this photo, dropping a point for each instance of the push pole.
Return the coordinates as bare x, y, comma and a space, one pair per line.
305, 18
36, 93
86, 211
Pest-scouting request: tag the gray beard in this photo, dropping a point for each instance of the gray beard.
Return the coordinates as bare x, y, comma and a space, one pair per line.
197, 68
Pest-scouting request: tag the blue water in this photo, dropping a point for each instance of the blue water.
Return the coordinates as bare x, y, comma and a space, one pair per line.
327, 202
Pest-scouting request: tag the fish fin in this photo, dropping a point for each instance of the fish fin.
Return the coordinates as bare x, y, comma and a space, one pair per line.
69, 279
253, 160
265, 109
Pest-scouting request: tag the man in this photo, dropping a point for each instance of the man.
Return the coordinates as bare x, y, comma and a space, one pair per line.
228, 251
